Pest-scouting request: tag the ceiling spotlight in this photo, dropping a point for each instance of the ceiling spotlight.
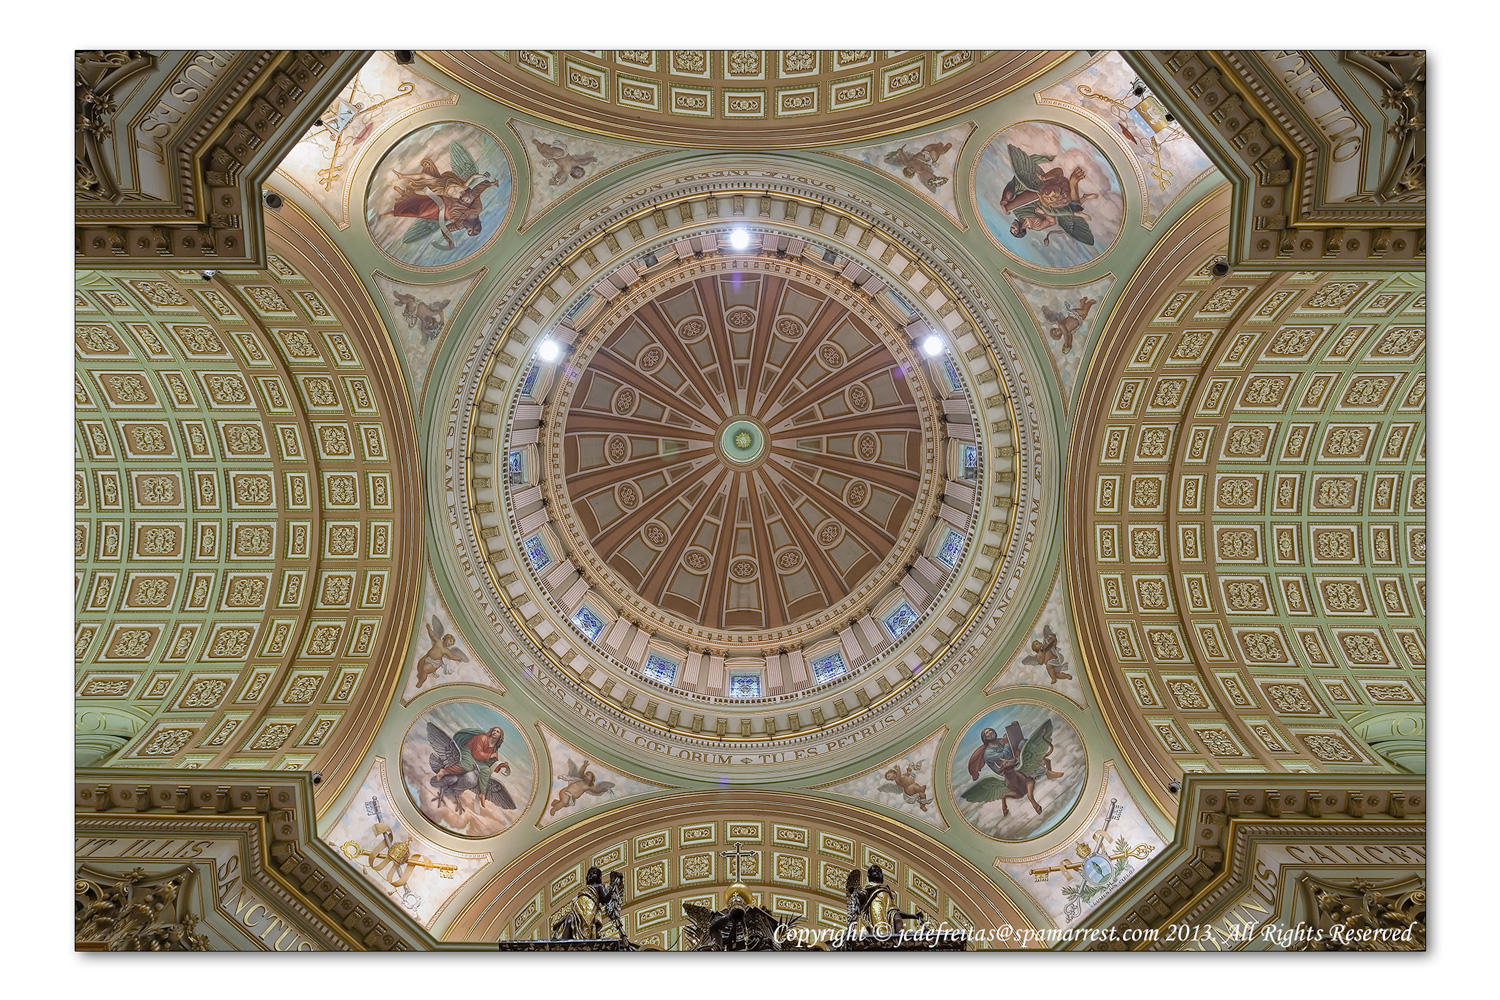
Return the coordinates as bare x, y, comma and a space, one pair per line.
739, 238
932, 345
548, 350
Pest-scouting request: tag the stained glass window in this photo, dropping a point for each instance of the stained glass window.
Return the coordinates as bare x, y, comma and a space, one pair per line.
587, 622
969, 456
952, 548
536, 551
828, 666
528, 384
580, 305
950, 372
514, 472
660, 669
899, 620
744, 685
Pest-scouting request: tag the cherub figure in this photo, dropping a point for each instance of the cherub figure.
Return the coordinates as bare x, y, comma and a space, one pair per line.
580, 782
442, 649
921, 163
568, 165
419, 314
904, 780
1045, 654
1068, 322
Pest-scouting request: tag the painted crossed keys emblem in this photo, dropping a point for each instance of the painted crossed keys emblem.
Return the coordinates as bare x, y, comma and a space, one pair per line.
1097, 863
389, 851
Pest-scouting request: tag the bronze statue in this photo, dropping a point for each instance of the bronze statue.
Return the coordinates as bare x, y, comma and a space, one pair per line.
595, 913
739, 926
873, 907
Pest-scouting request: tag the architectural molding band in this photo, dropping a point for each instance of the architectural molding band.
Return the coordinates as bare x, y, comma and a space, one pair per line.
1280, 126
235, 851
220, 126
1230, 878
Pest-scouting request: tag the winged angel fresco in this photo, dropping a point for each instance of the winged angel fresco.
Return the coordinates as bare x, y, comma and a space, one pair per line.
1020, 763
578, 782
1043, 201
444, 202
464, 762
1044, 653
922, 164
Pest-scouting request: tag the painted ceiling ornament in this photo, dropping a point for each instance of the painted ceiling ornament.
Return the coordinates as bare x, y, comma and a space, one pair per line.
1166, 160
440, 650
905, 783
380, 843
1096, 859
1047, 196
322, 163
581, 782
1068, 319
419, 316
468, 767
926, 163
560, 162
440, 655
1020, 752
439, 196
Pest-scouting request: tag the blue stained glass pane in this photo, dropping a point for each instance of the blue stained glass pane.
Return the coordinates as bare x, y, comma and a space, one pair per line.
513, 468
580, 305
951, 549
970, 456
587, 622
900, 619
536, 551
950, 370
528, 384
828, 666
660, 669
744, 685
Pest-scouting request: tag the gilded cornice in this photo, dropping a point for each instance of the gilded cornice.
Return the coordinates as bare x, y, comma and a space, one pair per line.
1264, 134
233, 132
125, 817
1221, 817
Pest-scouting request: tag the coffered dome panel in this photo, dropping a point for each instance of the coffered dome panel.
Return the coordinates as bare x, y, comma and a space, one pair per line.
246, 490
745, 98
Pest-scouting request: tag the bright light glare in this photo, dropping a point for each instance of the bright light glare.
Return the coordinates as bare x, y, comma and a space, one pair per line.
932, 345
739, 238
548, 350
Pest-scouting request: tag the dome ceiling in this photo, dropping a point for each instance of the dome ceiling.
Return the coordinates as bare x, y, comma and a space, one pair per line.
741, 389
747, 421
658, 483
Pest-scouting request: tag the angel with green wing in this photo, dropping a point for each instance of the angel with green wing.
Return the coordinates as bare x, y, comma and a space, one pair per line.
442, 201
1041, 201
1020, 763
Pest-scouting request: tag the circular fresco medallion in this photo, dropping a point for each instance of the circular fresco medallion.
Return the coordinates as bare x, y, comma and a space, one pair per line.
1047, 196
439, 196
468, 767
1017, 770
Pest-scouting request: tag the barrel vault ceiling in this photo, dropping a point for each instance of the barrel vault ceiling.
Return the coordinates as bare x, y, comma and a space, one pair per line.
742, 434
